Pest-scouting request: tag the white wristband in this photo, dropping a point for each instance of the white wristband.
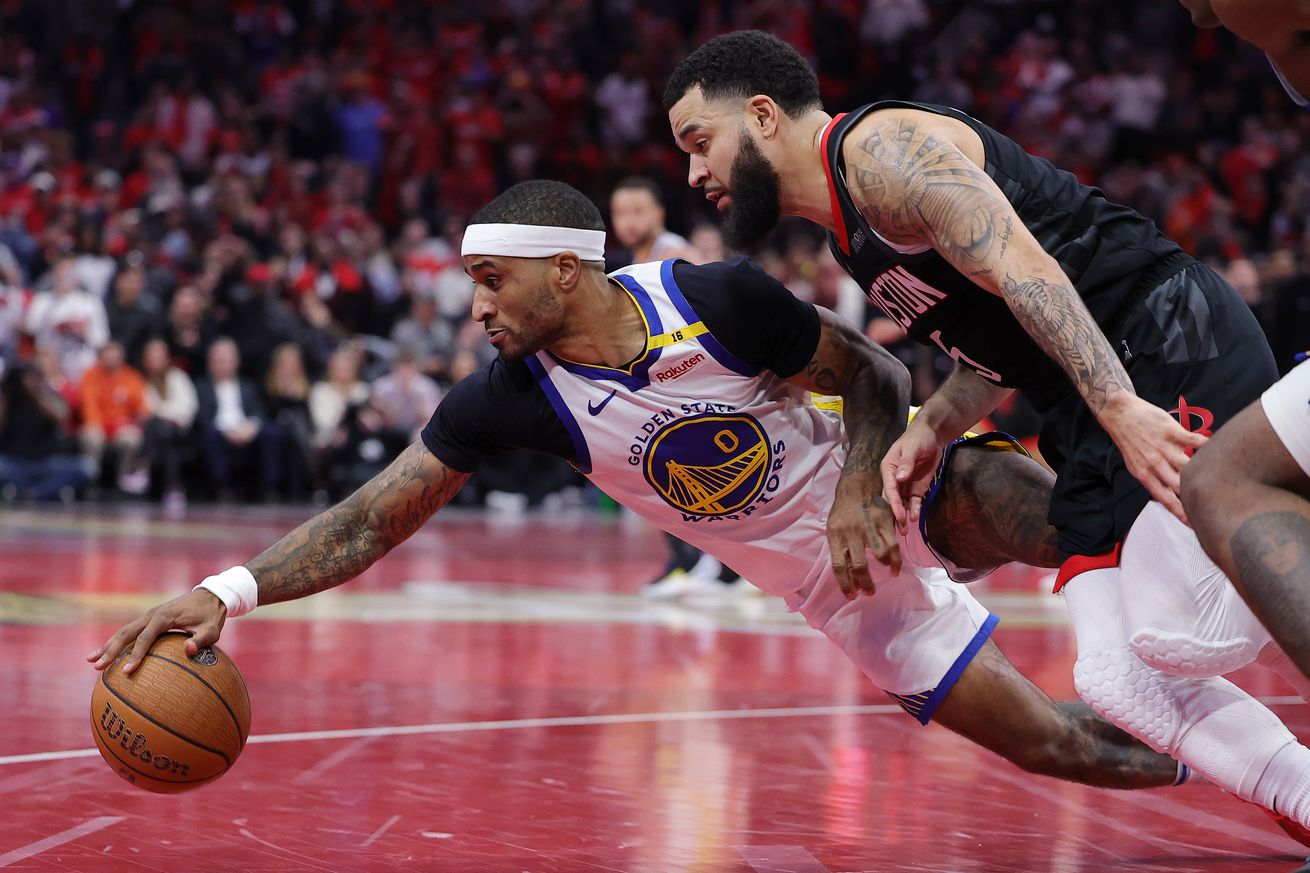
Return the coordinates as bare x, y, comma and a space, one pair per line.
236, 587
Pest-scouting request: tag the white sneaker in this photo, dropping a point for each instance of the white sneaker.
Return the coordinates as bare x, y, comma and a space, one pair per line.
174, 503
706, 567
671, 585
714, 590
135, 482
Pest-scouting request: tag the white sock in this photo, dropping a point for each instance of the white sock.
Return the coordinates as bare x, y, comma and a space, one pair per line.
1237, 743
1285, 784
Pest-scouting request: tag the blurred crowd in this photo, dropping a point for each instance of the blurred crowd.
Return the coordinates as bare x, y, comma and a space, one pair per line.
229, 231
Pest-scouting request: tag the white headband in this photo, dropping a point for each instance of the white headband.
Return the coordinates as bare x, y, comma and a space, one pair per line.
532, 241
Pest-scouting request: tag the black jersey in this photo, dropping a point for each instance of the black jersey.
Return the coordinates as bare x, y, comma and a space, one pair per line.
1113, 256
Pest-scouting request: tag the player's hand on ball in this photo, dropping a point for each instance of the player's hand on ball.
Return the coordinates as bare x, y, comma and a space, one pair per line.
907, 470
860, 523
199, 613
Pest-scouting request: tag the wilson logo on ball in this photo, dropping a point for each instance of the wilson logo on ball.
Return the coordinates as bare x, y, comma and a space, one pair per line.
137, 743
205, 657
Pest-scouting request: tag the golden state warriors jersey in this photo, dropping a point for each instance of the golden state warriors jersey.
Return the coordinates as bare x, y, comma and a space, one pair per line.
734, 460
729, 457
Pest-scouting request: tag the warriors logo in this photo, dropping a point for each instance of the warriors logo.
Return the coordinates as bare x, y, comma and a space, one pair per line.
709, 464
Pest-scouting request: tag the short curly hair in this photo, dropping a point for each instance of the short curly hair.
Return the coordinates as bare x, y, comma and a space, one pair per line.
744, 63
544, 203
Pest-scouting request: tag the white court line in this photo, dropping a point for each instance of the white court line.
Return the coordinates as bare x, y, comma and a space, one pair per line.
563, 721
86, 827
380, 831
781, 859
513, 724
331, 761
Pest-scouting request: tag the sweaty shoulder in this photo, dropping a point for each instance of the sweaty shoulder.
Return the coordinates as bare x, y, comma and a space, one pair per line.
751, 314
493, 410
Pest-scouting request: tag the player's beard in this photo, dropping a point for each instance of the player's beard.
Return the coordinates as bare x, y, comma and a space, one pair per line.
756, 191
541, 326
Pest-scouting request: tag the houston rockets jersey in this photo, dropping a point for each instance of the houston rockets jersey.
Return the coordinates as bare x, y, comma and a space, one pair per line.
1113, 256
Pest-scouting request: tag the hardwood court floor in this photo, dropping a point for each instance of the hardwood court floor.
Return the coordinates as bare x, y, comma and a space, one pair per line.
495, 697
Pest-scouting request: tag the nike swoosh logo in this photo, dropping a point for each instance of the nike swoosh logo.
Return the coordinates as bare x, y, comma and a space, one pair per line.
595, 408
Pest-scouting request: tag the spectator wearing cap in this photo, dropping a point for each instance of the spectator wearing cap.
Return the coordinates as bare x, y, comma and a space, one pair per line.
260, 318
68, 320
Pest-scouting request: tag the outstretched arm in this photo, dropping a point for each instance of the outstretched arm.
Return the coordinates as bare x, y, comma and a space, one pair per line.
875, 392
915, 184
329, 549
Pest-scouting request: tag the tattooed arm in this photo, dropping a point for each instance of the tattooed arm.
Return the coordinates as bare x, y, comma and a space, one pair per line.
911, 178
325, 551
1249, 502
875, 392
346, 540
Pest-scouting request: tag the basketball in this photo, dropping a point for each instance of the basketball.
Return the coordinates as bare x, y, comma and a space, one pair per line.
174, 724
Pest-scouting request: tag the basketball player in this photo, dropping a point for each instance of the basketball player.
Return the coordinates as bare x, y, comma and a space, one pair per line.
1280, 28
685, 393
1246, 493
1031, 281
637, 217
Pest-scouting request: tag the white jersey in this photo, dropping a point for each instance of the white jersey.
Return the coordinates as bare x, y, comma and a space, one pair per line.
1287, 406
747, 471
704, 468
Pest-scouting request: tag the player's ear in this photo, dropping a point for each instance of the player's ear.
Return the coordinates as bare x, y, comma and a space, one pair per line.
763, 115
567, 270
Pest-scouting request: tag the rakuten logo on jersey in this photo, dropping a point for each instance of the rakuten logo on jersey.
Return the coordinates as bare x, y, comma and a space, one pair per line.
680, 369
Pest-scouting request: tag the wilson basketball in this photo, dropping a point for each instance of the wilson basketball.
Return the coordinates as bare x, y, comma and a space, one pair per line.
174, 724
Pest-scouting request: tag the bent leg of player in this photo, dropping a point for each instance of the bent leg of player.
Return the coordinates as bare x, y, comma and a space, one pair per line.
1246, 495
1182, 614
1209, 724
998, 708
987, 507
925, 640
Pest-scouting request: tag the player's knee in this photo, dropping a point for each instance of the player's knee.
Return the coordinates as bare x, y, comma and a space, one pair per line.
1183, 654
1202, 488
1129, 694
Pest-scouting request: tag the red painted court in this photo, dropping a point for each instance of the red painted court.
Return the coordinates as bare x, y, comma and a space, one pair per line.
494, 696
